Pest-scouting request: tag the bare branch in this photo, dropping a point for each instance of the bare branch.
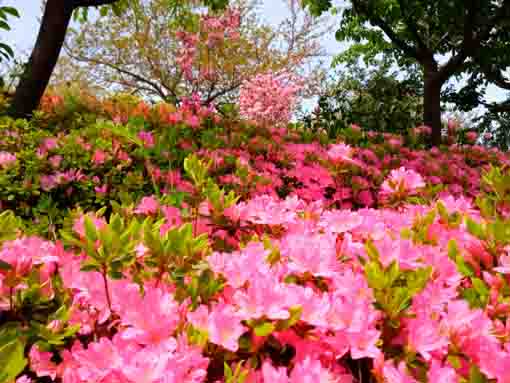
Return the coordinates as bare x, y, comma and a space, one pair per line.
152, 84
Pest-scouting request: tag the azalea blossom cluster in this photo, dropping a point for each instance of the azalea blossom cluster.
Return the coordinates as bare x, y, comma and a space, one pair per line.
290, 262
308, 288
190, 112
269, 97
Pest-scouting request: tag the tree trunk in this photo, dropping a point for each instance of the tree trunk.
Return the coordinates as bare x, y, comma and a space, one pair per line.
57, 15
432, 105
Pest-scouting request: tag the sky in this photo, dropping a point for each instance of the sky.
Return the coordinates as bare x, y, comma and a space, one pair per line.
24, 30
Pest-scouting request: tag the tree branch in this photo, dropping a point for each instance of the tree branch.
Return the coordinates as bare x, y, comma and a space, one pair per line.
137, 77
502, 107
222, 93
497, 78
392, 35
467, 48
423, 49
92, 3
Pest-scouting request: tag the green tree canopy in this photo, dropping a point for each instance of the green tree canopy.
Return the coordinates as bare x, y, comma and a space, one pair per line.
375, 98
445, 38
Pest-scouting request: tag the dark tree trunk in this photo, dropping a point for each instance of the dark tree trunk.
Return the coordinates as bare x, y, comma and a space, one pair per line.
36, 77
432, 104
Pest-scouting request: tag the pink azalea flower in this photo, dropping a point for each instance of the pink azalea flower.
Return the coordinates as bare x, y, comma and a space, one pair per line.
471, 136
147, 206
40, 362
340, 152
151, 318
147, 139
101, 189
79, 224
425, 338
504, 261
6, 159
274, 375
99, 157
442, 374
55, 161
224, 327
312, 371
397, 375
403, 180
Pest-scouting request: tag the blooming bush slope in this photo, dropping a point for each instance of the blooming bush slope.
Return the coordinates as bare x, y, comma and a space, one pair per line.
150, 249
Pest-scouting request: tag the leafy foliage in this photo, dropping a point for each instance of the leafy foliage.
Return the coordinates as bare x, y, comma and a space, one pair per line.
471, 34
373, 99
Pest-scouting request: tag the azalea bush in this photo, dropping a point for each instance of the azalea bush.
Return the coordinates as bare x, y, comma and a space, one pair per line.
168, 244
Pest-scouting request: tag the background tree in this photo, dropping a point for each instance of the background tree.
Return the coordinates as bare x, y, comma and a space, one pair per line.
376, 98
445, 38
54, 25
150, 52
6, 52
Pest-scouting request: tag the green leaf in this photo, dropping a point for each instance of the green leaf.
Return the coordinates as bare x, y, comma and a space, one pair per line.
375, 276
10, 10
480, 286
372, 252
264, 329
455, 361
4, 25
475, 229
475, 376
463, 267
5, 266
12, 360
90, 230
90, 266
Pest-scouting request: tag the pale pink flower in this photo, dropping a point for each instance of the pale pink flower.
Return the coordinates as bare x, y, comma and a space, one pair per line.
402, 180
6, 159
442, 374
224, 327
312, 371
151, 318
397, 375
55, 161
504, 264
340, 152
269, 97
101, 189
273, 374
